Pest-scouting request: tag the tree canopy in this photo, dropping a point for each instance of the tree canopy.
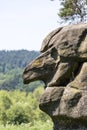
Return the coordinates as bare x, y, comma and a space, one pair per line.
12, 64
74, 11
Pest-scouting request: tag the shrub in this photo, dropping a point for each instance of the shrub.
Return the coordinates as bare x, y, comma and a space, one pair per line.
17, 115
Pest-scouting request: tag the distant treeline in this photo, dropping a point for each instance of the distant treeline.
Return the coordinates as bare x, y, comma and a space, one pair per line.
16, 59
12, 64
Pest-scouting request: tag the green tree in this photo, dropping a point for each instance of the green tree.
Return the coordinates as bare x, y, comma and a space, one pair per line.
17, 107
12, 64
17, 115
73, 11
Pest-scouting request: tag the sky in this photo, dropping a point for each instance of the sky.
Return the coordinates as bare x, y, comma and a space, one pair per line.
25, 23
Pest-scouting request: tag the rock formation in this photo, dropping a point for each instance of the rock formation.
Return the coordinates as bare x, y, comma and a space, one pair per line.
62, 66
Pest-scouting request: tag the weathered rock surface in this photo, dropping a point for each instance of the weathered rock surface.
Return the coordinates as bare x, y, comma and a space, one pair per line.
63, 68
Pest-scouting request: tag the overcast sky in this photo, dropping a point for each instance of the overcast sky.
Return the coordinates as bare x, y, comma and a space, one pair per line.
25, 23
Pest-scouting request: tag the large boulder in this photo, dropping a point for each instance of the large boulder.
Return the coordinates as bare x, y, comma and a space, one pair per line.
62, 66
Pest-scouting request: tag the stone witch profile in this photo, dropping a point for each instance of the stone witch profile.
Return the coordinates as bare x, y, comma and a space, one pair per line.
62, 66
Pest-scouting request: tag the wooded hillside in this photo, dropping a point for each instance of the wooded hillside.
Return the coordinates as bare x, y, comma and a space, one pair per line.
12, 64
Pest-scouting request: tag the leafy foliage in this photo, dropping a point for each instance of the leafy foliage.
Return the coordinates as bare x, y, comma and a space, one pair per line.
12, 64
18, 107
73, 10
38, 125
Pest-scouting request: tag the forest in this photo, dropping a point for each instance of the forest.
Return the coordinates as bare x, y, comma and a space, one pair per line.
12, 64
19, 103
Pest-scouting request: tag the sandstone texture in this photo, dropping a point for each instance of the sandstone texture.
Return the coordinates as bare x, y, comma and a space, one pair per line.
62, 66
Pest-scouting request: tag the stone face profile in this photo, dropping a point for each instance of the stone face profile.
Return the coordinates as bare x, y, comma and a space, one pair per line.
62, 66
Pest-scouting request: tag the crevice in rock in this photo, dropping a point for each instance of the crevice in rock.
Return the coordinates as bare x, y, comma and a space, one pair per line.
82, 37
69, 123
78, 69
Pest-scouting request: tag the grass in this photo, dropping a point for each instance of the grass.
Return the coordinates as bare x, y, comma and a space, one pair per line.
38, 125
